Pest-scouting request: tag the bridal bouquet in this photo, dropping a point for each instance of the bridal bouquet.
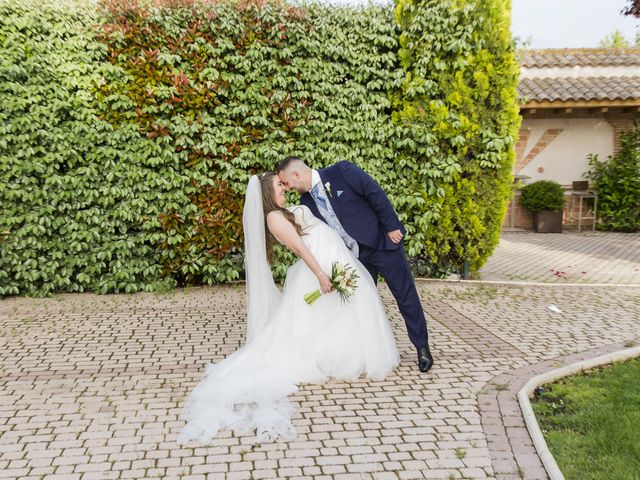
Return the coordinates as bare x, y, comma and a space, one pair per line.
344, 280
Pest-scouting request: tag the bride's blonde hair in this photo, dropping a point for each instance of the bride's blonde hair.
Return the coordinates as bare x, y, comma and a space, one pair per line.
269, 204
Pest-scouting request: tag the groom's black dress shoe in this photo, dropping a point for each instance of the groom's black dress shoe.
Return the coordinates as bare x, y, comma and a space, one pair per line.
425, 360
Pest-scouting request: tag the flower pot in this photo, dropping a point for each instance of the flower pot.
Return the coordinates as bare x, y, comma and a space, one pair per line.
547, 221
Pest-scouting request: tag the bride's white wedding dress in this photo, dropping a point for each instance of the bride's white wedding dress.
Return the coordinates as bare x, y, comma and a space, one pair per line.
300, 343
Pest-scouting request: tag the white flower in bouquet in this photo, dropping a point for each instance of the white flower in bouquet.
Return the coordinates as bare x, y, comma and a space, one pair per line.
344, 281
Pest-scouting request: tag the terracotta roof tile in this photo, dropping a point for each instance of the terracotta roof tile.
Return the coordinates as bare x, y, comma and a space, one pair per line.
584, 57
579, 88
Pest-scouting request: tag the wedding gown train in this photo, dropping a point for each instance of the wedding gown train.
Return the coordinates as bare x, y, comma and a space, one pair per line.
300, 344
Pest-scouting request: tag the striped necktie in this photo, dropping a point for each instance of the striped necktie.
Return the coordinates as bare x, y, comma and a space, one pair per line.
319, 196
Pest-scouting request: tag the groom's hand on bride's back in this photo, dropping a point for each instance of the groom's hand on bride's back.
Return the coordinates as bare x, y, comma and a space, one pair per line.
395, 236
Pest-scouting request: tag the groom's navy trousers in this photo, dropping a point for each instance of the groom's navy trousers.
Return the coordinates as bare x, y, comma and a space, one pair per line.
367, 216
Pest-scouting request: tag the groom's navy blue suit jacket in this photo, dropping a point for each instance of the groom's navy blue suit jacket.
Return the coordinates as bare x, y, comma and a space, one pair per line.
360, 204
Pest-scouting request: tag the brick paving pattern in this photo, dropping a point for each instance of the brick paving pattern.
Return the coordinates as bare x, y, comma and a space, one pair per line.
91, 386
586, 257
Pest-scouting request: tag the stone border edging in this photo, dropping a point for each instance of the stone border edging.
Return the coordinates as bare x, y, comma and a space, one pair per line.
531, 423
525, 284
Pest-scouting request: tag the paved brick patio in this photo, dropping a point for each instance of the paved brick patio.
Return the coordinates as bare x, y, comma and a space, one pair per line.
91, 386
587, 257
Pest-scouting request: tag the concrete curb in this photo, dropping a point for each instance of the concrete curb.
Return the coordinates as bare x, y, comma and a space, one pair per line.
525, 284
525, 392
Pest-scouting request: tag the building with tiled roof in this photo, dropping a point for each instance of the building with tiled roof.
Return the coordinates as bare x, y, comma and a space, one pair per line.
579, 57
544, 91
573, 102
597, 77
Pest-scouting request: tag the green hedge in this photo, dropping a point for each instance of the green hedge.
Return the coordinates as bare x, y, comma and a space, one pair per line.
131, 130
617, 181
458, 107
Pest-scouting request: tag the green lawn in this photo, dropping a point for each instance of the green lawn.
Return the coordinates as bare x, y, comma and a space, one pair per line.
591, 422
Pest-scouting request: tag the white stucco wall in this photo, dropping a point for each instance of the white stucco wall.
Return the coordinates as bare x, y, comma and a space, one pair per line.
565, 158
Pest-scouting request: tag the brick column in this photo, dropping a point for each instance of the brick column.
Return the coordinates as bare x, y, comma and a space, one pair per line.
621, 122
521, 144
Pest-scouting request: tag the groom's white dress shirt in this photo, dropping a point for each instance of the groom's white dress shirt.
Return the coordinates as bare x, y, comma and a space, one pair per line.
315, 179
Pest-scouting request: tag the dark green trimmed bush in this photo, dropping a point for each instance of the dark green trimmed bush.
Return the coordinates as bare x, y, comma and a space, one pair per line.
542, 195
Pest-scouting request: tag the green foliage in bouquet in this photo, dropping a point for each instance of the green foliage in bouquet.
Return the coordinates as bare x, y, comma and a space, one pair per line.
617, 182
344, 282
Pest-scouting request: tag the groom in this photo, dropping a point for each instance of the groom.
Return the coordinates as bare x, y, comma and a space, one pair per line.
356, 207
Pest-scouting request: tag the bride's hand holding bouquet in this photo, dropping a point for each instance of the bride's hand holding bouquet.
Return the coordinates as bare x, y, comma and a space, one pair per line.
343, 280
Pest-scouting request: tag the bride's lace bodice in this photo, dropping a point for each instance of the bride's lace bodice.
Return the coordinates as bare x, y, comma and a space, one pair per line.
304, 217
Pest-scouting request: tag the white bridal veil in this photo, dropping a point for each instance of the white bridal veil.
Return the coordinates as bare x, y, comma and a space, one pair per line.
263, 296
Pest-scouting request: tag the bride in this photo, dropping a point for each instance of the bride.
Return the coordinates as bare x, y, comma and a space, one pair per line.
288, 341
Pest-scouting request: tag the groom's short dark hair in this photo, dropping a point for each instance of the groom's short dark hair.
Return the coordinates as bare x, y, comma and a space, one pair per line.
286, 162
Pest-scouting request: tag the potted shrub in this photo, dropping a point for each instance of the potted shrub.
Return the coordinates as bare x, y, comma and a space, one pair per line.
545, 199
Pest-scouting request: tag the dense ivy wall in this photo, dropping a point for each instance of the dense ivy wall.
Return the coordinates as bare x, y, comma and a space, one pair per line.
130, 131
60, 228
